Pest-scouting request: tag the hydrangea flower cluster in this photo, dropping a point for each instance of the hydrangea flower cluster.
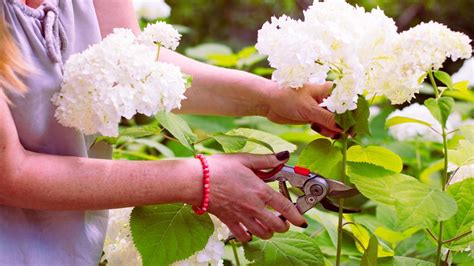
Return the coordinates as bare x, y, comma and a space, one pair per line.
160, 33
116, 78
413, 131
152, 9
120, 250
362, 50
118, 247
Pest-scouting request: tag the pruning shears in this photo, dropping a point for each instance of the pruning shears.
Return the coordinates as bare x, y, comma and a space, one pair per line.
316, 188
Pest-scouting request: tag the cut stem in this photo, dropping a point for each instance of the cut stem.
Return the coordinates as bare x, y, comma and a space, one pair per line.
340, 224
236, 254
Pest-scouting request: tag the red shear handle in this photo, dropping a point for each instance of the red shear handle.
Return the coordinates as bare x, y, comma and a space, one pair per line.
266, 175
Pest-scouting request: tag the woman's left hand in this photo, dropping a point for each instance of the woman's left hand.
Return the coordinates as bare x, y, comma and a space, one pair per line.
301, 106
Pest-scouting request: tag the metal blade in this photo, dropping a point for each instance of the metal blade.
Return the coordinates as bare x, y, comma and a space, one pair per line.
331, 206
340, 190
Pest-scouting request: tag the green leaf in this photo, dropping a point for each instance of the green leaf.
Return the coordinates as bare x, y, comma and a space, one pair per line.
178, 128
322, 157
370, 256
463, 220
468, 132
210, 124
204, 51
345, 120
375, 182
260, 142
167, 152
397, 120
290, 248
231, 144
440, 108
403, 261
375, 155
164, 234
417, 205
364, 237
140, 131
361, 117
445, 78
463, 154
462, 86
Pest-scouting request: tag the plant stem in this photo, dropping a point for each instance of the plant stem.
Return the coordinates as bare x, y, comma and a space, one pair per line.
433, 82
236, 254
341, 201
444, 182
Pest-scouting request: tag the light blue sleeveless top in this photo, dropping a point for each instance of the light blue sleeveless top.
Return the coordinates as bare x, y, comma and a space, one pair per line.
47, 37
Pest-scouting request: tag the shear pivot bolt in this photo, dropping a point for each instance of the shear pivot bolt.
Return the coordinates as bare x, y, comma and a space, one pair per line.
316, 190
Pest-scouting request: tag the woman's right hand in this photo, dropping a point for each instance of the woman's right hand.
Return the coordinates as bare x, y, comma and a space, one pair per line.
239, 198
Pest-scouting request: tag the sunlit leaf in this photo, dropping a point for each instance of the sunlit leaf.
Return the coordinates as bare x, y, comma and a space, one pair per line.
290, 248
203, 51
364, 237
417, 205
463, 154
461, 85
397, 120
370, 255
164, 234
375, 155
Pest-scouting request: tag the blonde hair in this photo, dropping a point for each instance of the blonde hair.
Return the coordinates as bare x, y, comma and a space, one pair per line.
11, 63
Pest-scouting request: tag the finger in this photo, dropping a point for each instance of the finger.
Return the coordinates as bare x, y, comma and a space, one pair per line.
256, 228
323, 117
239, 232
286, 208
259, 162
273, 222
325, 132
321, 91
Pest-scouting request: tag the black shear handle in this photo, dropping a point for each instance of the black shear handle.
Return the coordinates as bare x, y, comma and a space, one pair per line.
267, 175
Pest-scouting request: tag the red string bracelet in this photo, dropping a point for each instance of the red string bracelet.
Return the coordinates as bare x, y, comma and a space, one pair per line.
206, 186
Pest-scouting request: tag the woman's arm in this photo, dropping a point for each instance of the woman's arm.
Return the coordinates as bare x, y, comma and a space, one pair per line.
47, 182
221, 91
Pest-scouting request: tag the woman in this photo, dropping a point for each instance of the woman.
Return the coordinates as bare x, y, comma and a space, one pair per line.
52, 190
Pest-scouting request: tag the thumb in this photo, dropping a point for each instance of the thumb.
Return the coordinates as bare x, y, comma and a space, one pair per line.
325, 118
261, 162
321, 91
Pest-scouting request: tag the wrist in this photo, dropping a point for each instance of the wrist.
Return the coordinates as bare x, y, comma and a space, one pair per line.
268, 90
192, 190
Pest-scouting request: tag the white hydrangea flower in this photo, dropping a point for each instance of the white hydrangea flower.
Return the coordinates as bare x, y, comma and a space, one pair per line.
413, 131
465, 73
152, 9
460, 173
214, 251
118, 247
162, 33
116, 78
362, 48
